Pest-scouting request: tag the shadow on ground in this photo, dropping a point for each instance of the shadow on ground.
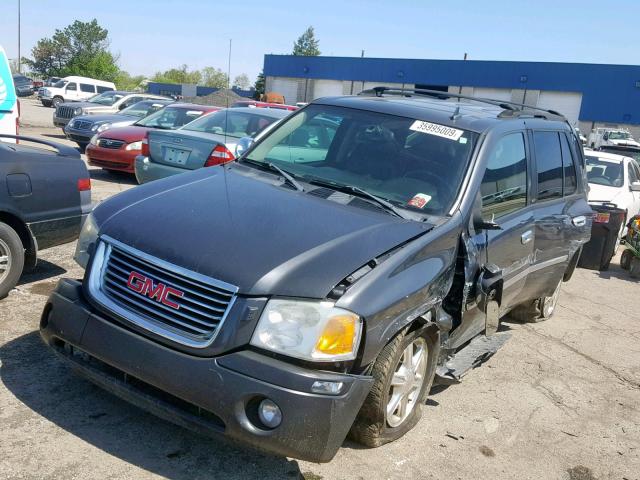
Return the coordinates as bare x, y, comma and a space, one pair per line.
43, 271
616, 271
48, 387
117, 177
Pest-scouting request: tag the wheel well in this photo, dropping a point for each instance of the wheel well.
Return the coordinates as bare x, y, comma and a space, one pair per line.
21, 229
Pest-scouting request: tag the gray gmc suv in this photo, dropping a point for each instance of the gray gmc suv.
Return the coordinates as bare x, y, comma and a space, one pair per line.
317, 286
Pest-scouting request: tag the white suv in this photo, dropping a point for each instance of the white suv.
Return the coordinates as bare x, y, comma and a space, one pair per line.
72, 89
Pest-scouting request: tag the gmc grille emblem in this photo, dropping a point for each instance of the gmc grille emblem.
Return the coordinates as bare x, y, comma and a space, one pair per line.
159, 292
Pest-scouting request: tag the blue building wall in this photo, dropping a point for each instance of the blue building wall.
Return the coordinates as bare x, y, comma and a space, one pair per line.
610, 93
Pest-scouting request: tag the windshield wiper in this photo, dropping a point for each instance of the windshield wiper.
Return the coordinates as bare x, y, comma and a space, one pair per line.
274, 168
359, 192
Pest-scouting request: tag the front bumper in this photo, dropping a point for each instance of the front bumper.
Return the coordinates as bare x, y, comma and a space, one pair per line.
148, 171
210, 395
78, 136
60, 121
111, 159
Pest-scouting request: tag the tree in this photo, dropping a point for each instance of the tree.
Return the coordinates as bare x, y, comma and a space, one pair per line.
124, 81
214, 77
178, 75
242, 81
259, 86
307, 45
81, 48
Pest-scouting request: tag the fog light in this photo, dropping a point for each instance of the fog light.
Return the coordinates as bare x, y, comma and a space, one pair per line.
326, 388
269, 413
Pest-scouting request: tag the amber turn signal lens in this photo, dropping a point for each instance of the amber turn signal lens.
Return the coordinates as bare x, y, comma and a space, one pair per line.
339, 335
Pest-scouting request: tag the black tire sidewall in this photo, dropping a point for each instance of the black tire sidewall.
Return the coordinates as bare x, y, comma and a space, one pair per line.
16, 251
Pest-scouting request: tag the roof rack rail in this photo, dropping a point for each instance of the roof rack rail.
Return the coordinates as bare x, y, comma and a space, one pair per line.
510, 108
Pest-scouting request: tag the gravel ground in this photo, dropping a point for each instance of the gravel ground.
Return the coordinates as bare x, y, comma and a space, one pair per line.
561, 400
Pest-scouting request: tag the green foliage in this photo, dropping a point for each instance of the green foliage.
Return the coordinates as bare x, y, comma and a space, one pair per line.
214, 77
178, 75
259, 86
81, 48
124, 81
307, 45
242, 81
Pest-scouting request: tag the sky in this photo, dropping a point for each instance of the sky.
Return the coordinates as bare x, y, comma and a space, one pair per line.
154, 35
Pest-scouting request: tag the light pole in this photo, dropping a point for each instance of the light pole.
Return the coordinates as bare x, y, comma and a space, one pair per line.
19, 57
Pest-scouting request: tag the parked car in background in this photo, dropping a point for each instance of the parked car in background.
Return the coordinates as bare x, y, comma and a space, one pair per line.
581, 137
205, 142
117, 148
9, 103
601, 137
624, 150
82, 127
73, 89
614, 179
104, 103
256, 104
48, 82
286, 303
46, 197
23, 85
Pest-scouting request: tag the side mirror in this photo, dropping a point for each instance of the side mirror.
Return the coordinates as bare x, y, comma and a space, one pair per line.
481, 224
122, 106
635, 187
243, 145
605, 137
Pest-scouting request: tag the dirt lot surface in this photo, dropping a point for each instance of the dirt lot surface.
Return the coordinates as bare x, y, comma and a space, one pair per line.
561, 400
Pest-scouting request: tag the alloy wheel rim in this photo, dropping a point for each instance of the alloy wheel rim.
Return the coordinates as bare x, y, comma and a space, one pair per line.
406, 382
5, 260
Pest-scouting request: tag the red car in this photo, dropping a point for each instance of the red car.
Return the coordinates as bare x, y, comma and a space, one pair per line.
117, 148
256, 104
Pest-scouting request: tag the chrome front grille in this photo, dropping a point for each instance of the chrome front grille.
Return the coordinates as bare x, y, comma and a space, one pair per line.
178, 304
110, 143
82, 125
64, 112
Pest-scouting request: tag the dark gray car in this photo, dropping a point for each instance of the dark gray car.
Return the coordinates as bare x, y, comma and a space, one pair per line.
318, 286
47, 194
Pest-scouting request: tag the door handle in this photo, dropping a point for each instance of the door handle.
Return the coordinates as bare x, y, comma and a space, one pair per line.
526, 237
579, 221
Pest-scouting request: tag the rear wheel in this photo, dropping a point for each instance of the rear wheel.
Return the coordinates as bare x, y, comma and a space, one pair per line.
625, 259
538, 310
11, 259
403, 374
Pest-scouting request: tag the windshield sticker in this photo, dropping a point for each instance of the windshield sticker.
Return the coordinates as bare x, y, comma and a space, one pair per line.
420, 200
435, 129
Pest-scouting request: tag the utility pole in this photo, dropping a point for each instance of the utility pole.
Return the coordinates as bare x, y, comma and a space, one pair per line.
19, 55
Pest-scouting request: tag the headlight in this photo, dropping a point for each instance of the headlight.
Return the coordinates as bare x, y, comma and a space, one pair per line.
134, 146
87, 241
78, 111
310, 330
103, 127
94, 140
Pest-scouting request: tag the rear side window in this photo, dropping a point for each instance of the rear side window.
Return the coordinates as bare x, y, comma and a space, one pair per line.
504, 186
633, 176
548, 164
85, 87
570, 182
103, 89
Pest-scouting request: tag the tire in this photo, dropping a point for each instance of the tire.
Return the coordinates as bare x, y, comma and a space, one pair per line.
538, 310
625, 259
11, 259
57, 101
373, 426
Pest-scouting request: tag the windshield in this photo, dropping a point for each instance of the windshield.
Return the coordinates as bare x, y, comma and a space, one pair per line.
604, 172
60, 84
170, 118
627, 152
408, 162
106, 98
619, 136
142, 109
232, 124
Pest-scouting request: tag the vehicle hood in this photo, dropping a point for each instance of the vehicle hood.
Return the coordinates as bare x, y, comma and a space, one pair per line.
130, 133
604, 193
262, 237
622, 143
108, 118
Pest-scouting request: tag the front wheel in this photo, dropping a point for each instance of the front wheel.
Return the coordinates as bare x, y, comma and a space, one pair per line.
403, 374
11, 259
57, 101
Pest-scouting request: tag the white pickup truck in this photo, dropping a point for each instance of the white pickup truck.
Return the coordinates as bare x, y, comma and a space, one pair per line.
601, 137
